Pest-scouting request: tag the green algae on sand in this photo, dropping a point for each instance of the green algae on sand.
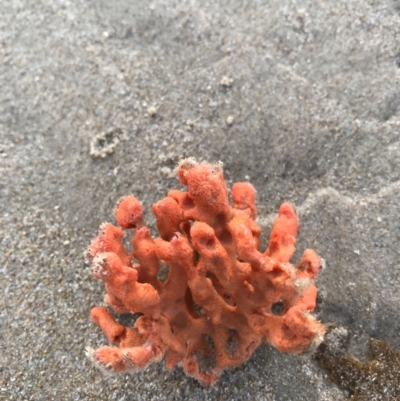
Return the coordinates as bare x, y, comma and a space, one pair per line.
377, 379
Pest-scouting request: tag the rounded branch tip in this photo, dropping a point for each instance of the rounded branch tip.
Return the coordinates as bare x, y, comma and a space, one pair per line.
191, 162
187, 163
129, 212
286, 209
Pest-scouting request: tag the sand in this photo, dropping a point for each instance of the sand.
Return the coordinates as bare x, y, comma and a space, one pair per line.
101, 99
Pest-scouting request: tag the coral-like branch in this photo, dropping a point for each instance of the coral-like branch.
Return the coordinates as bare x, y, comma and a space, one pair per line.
222, 296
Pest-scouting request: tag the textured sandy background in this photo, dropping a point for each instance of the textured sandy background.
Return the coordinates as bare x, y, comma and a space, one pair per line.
312, 117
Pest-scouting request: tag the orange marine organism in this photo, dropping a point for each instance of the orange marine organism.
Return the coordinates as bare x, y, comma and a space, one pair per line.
222, 297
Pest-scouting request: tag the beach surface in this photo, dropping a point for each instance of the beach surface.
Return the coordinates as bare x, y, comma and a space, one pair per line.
101, 99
